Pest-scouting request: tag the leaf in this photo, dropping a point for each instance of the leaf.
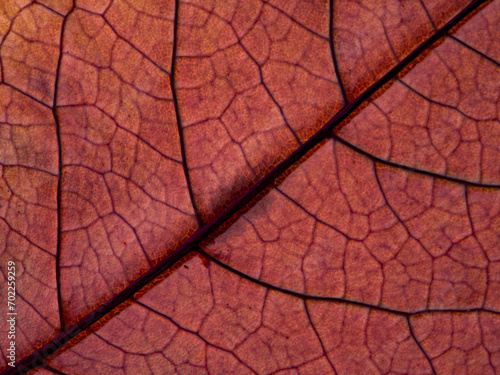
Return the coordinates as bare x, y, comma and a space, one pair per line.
251, 187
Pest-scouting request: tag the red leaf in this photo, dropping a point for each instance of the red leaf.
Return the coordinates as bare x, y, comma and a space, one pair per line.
251, 187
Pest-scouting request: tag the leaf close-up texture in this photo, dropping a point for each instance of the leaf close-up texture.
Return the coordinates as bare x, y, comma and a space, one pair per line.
250, 187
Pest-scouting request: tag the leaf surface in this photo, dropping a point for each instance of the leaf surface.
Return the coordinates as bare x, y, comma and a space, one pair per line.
175, 203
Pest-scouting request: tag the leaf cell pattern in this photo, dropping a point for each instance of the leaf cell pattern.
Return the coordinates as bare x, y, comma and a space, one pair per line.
253, 187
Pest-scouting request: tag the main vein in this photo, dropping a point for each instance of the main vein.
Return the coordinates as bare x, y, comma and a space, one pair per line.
36, 358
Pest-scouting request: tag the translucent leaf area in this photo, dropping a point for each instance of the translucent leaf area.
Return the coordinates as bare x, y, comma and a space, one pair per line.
251, 187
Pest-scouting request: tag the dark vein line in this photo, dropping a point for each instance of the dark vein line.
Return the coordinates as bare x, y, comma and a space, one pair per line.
474, 231
135, 184
6, 35
35, 359
52, 369
325, 353
292, 18
259, 67
179, 326
312, 215
26, 94
126, 130
444, 105
134, 47
35, 309
312, 297
411, 169
60, 167
295, 136
29, 167
474, 50
178, 119
332, 51
48, 8
405, 226
428, 14
420, 346
20, 234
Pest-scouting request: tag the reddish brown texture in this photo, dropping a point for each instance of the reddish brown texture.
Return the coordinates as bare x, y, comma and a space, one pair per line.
481, 32
134, 21
248, 329
30, 52
441, 10
485, 218
62, 7
127, 125
28, 215
124, 196
442, 116
253, 80
360, 340
370, 233
460, 343
40, 371
370, 37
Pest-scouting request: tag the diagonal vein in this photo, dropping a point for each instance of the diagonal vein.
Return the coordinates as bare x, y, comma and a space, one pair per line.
60, 174
36, 358
178, 119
